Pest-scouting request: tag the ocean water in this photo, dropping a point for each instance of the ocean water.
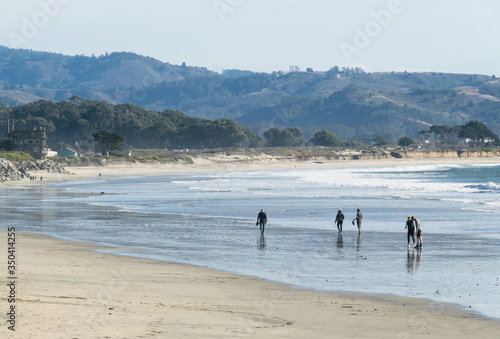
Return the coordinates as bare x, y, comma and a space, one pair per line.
208, 220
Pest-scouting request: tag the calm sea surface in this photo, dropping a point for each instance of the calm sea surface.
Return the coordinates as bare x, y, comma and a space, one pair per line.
209, 220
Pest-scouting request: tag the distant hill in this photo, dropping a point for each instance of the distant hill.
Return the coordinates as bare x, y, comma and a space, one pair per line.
56, 77
357, 112
354, 104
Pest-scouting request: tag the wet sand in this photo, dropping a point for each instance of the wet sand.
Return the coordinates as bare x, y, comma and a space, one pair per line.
67, 290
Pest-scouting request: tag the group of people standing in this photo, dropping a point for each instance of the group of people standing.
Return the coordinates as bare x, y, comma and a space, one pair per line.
339, 219
414, 228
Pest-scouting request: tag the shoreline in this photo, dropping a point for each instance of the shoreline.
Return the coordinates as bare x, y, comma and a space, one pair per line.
71, 289
223, 163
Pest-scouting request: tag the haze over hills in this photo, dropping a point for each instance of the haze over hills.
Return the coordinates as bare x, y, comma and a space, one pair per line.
350, 102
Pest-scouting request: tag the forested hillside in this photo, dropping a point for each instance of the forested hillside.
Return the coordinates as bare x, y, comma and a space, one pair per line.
27, 75
354, 104
73, 123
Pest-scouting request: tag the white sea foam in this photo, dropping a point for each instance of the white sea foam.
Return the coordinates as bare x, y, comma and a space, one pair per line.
482, 210
489, 186
400, 179
404, 182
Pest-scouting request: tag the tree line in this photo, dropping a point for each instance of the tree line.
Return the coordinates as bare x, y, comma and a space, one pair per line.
73, 122
474, 133
80, 122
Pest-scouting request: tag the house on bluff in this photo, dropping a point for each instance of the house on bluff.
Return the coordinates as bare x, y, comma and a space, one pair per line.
33, 142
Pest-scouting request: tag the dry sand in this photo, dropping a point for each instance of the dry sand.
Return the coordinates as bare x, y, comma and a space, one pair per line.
67, 290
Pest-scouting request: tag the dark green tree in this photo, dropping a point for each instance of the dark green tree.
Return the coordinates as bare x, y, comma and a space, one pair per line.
290, 137
253, 139
477, 133
7, 144
109, 141
229, 134
446, 135
380, 141
326, 138
405, 141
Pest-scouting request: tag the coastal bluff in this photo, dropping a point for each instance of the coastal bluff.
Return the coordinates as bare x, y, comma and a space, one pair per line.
235, 159
238, 158
379, 154
429, 154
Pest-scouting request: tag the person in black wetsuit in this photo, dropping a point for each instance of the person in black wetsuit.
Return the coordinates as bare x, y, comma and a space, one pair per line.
410, 225
262, 220
339, 219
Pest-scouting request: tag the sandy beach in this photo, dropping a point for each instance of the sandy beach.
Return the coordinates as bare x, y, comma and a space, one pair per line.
224, 163
68, 290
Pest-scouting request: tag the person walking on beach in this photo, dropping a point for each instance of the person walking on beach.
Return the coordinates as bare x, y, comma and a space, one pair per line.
410, 225
262, 220
358, 219
339, 219
418, 227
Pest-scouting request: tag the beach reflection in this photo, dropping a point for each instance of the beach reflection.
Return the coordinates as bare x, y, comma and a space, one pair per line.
262, 242
340, 243
413, 260
419, 259
35, 206
410, 261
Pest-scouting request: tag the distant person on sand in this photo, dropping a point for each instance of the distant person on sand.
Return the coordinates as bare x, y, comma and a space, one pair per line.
358, 219
339, 219
262, 220
418, 227
410, 225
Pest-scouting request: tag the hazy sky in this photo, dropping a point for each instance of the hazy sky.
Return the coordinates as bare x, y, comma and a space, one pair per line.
460, 36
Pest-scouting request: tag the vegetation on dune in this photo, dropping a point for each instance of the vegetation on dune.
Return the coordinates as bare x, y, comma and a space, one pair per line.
16, 156
405, 141
326, 138
290, 137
